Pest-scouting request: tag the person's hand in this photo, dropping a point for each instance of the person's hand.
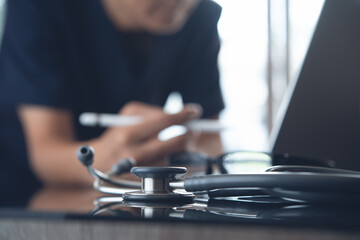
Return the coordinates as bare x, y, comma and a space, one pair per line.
141, 141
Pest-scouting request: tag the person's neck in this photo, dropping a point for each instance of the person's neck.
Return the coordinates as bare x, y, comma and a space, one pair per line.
119, 16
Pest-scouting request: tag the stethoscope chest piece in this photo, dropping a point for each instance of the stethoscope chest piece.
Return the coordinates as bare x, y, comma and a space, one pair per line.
155, 185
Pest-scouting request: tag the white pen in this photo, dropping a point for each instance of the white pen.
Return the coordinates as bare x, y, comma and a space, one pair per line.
115, 120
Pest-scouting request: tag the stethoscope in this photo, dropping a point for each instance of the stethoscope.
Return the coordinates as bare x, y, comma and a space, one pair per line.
163, 184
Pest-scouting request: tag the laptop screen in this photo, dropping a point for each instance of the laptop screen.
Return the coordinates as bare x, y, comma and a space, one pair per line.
322, 117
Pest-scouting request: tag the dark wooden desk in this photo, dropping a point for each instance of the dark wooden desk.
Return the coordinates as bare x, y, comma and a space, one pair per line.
64, 214
84, 229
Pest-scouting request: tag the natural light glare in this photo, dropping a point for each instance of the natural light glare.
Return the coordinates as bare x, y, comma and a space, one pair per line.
242, 62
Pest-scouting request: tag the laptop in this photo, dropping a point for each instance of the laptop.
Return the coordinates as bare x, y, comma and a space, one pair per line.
321, 118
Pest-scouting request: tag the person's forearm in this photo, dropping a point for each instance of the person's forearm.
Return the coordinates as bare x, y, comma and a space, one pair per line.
55, 163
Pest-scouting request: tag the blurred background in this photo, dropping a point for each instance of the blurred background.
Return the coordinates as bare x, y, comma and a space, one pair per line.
263, 45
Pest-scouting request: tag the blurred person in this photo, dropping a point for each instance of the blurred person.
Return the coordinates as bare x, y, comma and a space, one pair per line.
62, 58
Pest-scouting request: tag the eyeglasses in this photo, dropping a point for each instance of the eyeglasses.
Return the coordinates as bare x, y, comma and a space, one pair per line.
242, 161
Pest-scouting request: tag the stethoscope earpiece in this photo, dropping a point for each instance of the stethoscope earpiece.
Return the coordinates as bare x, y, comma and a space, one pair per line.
86, 155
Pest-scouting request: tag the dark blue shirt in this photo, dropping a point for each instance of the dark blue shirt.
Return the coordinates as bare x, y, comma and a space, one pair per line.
67, 54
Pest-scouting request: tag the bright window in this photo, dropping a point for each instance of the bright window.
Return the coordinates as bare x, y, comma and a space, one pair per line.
245, 65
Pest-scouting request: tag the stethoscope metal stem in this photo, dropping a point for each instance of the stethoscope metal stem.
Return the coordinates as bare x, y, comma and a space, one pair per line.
155, 185
111, 190
102, 177
177, 184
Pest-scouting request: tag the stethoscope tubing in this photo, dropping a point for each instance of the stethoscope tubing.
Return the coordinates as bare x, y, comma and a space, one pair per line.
298, 181
324, 182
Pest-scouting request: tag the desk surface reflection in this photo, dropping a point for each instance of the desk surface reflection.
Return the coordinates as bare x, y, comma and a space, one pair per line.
87, 205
